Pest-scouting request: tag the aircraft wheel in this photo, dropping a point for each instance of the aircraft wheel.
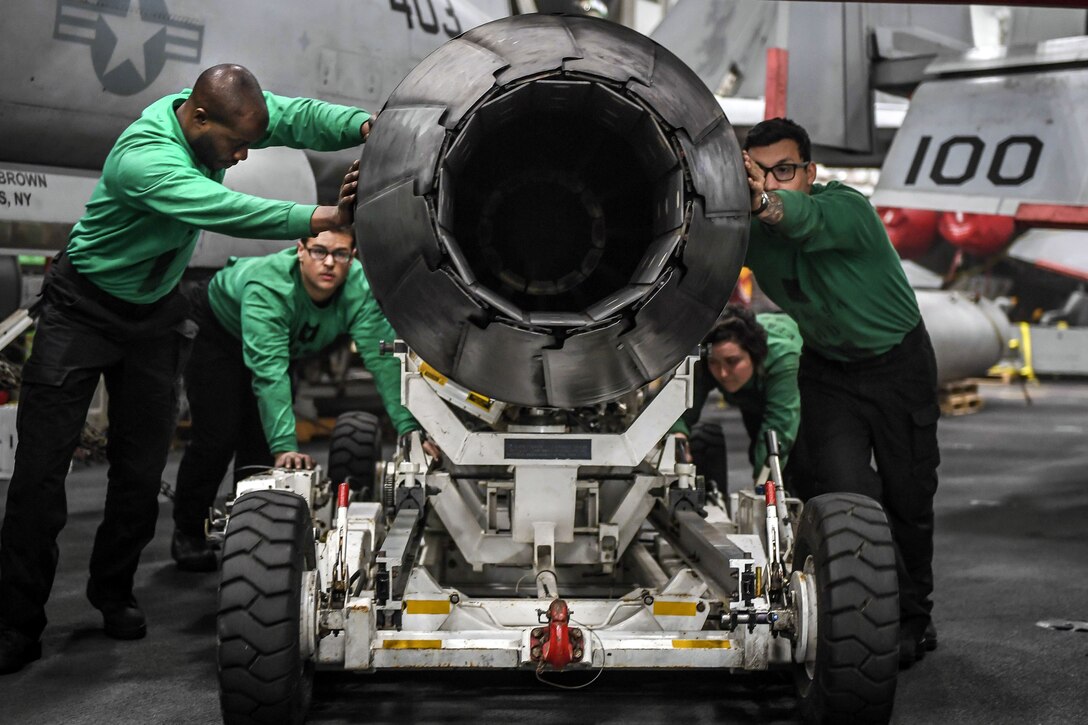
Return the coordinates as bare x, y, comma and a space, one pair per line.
265, 669
355, 447
846, 597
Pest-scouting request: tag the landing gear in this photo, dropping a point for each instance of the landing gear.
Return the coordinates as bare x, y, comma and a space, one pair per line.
264, 623
844, 573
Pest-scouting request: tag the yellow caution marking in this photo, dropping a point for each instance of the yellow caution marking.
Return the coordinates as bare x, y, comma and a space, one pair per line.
427, 606
701, 644
412, 644
428, 372
1028, 370
480, 401
673, 609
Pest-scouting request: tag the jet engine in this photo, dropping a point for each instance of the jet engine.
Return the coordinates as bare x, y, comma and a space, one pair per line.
552, 212
552, 217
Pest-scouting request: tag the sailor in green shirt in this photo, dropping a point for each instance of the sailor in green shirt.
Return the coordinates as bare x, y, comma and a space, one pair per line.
110, 307
752, 360
868, 376
257, 315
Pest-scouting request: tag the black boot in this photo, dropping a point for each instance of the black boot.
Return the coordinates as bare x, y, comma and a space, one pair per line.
915, 639
193, 553
929, 638
17, 650
910, 650
122, 618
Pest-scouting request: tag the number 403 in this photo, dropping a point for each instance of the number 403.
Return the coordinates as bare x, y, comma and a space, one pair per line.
427, 16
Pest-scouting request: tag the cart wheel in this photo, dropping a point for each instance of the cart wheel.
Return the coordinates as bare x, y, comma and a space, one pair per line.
265, 669
846, 596
355, 447
708, 453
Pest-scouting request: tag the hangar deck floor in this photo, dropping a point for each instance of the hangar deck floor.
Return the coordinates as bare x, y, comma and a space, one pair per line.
1012, 551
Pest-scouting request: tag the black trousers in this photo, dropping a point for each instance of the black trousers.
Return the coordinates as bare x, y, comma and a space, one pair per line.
226, 422
883, 409
83, 333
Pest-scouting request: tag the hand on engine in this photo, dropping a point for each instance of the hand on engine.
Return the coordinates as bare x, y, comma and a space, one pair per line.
345, 207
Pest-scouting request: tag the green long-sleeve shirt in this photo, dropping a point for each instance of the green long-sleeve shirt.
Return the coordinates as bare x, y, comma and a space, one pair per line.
262, 302
770, 400
142, 221
829, 264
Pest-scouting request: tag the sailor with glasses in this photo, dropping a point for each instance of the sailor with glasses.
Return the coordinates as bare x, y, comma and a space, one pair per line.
256, 316
868, 376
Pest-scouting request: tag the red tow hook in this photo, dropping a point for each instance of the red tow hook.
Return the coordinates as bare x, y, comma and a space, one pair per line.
557, 644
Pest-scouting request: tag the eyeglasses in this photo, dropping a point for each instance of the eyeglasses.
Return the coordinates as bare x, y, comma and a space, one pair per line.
784, 171
318, 254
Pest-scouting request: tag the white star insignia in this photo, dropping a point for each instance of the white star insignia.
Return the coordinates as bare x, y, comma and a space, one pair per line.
132, 33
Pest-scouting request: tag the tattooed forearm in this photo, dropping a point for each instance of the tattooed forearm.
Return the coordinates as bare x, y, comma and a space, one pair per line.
774, 211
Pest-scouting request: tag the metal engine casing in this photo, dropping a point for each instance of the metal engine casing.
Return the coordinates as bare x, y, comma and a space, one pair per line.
553, 216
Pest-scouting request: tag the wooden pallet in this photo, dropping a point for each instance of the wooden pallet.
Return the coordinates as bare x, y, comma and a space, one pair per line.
959, 398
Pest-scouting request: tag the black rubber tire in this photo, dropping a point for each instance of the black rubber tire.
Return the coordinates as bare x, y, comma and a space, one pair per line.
853, 677
355, 447
269, 544
708, 453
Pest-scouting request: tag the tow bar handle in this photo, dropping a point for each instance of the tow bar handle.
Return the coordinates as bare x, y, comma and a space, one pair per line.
779, 500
